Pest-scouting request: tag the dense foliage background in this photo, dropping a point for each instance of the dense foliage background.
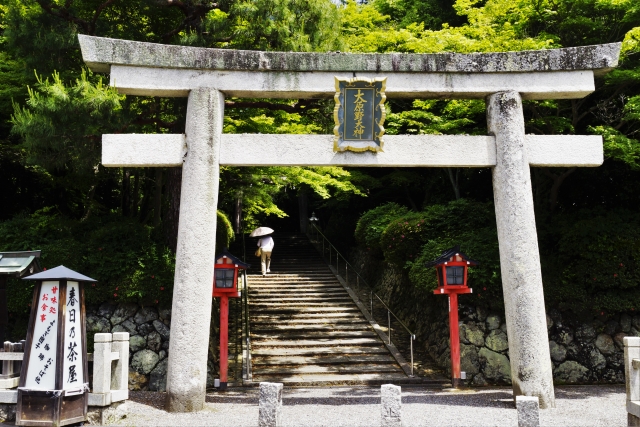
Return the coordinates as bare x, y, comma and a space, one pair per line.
119, 225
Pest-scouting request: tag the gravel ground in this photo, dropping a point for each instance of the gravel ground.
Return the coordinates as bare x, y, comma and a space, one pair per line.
359, 406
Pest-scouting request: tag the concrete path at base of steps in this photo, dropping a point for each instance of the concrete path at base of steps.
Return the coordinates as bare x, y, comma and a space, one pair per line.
360, 406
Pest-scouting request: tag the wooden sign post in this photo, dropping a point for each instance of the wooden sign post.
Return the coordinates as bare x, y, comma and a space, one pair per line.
53, 389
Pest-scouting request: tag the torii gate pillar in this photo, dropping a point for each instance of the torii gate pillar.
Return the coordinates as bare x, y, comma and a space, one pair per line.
531, 373
195, 254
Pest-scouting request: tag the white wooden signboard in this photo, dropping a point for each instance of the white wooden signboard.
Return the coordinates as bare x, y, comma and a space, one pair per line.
72, 371
44, 346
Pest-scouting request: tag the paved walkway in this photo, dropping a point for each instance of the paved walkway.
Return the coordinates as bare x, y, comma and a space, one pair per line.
359, 406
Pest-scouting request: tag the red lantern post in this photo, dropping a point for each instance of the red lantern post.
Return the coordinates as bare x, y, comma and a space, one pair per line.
225, 286
451, 268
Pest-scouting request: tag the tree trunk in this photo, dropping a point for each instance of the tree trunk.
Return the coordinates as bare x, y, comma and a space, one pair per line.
454, 181
237, 218
303, 210
135, 197
157, 198
126, 196
172, 214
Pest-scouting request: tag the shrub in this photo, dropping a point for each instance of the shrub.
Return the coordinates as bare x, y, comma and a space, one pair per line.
129, 264
372, 223
596, 266
404, 237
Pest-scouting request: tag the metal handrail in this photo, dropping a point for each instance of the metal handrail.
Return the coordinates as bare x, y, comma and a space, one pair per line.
245, 311
347, 264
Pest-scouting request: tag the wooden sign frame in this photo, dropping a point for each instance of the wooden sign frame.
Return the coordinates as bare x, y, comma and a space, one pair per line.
53, 408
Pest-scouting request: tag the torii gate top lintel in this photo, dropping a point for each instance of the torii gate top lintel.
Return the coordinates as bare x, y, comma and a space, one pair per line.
100, 53
149, 69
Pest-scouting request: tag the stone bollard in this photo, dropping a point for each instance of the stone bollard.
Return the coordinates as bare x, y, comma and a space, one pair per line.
270, 405
391, 405
528, 411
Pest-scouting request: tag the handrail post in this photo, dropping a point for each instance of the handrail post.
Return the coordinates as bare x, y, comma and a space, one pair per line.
411, 338
346, 272
389, 319
120, 373
102, 363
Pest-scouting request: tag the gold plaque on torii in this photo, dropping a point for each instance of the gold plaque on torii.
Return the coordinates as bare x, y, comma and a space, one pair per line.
359, 114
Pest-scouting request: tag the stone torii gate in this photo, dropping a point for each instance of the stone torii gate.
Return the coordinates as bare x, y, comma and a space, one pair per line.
206, 76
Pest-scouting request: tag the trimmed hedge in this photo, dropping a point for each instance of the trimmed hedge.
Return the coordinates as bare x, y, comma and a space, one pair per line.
590, 260
129, 261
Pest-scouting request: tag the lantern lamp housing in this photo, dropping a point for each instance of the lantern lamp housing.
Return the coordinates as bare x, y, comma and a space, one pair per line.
225, 274
451, 269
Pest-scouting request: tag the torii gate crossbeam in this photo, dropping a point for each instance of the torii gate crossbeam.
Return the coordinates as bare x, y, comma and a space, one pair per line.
205, 76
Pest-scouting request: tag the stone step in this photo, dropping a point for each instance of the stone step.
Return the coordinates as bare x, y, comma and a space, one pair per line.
270, 277
298, 335
296, 326
325, 380
330, 369
322, 360
306, 324
318, 342
298, 293
266, 309
311, 317
295, 284
310, 302
318, 351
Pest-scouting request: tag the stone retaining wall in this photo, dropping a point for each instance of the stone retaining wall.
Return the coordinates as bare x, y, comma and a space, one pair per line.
149, 329
582, 350
149, 343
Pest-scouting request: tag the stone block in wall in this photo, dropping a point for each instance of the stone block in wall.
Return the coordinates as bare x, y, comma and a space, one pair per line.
571, 372
625, 322
469, 359
611, 327
162, 329
618, 339
123, 312
158, 377
106, 310
493, 321
605, 344
563, 335
481, 313
472, 334
153, 341
165, 314
136, 343
590, 357
497, 340
585, 332
558, 352
144, 361
145, 329
496, 365
145, 315
137, 381
96, 324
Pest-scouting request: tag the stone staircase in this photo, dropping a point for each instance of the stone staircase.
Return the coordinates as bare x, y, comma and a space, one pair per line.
305, 328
